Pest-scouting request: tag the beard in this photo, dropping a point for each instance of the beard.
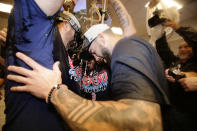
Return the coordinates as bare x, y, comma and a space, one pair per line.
106, 55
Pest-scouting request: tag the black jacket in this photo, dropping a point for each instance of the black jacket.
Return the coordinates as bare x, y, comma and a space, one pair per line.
184, 113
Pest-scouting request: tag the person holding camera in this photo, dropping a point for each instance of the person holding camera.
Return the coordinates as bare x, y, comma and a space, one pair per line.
179, 71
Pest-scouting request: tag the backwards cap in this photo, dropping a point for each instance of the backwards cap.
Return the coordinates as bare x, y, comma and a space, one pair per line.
92, 33
65, 15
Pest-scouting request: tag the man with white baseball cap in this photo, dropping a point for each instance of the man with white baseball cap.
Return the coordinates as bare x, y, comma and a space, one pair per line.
138, 84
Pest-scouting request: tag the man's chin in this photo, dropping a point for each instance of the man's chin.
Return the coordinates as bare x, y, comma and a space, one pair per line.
184, 58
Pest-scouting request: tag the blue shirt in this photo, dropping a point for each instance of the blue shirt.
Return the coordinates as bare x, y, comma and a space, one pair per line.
33, 35
34, 32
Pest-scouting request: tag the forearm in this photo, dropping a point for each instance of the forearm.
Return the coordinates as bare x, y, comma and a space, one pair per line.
125, 19
50, 7
164, 51
153, 3
188, 34
84, 114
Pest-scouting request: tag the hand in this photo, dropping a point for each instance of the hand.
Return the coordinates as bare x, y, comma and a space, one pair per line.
169, 78
38, 81
189, 83
3, 35
153, 3
190, 74
172, 24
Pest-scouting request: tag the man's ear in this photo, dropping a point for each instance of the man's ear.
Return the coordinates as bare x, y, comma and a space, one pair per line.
67, 25
101, 39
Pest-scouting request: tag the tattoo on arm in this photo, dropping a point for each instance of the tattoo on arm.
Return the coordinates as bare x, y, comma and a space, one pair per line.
125, 18
120, 13
126, 114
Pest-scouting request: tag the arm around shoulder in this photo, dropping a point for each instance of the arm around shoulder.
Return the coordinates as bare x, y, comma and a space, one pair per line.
125, 114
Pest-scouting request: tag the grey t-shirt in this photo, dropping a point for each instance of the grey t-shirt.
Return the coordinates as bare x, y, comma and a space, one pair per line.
137, 72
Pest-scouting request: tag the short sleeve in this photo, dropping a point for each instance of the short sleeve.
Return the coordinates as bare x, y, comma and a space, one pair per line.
137, 72
34, 32
129, 83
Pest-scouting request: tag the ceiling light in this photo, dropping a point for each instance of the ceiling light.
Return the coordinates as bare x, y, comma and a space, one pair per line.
171, 3
117, 30
5, 8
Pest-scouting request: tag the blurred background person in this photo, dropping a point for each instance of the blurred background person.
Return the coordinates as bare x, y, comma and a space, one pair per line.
184, 113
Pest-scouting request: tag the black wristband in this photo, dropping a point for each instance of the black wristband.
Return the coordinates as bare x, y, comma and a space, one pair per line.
48, 100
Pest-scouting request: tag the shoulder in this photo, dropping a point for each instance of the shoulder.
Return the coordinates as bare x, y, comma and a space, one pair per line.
133, 51
133, 45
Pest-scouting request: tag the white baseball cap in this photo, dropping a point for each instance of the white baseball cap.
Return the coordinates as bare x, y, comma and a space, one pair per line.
91, 34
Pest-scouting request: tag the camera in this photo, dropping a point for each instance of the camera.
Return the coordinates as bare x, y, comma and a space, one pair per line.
156, 19
176, 73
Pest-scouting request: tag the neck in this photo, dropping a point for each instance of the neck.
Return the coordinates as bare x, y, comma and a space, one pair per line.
112, 43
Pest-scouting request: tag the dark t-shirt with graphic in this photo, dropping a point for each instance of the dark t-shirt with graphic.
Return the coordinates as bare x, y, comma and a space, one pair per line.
95, 85
75, 72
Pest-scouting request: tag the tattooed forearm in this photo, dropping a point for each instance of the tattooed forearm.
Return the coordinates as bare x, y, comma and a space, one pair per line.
125, 19
84, 114
73, 107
